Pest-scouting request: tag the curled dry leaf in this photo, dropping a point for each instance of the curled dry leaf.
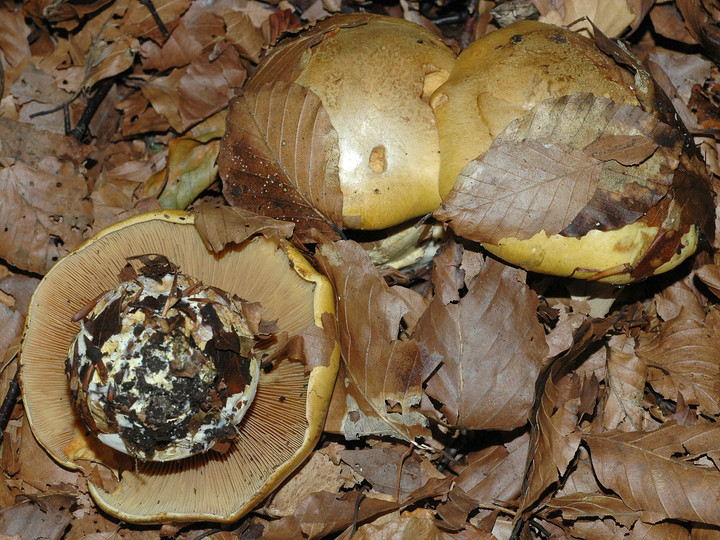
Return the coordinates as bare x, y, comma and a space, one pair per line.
683, 359
701, 22
652, 475
560, 169
383, 366
622, 406
272, 169
221, 225
555, 434
490, 343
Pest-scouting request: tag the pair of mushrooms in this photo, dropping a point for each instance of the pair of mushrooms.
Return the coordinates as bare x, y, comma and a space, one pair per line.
103, 375
412, 117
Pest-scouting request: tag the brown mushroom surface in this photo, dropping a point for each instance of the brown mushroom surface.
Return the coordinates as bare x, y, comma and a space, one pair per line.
283, 422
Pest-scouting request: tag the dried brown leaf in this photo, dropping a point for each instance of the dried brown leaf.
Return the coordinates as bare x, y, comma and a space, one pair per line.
43, 213
401, 527
247, 37
491, 346
647, 471
702, 24
162, 93
109, 59
658, 531
221, 225
588, 505
622, 406
555, 435
683, 359
709, 274
318, 473
380, 466
279, 158
382, 365
209, 82
668, 22
42, 518
491, 475
14, 33
324, 512
187, 40
542, 173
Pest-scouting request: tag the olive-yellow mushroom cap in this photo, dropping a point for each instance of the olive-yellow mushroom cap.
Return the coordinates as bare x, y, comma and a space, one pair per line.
374, 76
500, 82
280, 427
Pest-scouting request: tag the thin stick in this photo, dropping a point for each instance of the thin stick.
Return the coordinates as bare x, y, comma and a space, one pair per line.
8, 404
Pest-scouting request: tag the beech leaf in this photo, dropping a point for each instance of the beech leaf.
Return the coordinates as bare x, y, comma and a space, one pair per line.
221, 225
491, 345
279, 157
44, 213
642, 468
683, 358
555, 435
570, 165
383, 367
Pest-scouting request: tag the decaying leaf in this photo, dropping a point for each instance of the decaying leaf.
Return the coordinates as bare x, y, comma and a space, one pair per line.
381, 363
287, 172
33, 235
490, 344
649, 473
683, 359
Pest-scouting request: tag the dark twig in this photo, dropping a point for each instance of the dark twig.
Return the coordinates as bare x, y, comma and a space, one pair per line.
151, 8
356, 513
8, 404
101, 90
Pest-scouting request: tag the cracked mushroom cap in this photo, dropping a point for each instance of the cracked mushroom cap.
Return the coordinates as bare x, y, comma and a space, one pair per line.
281, 425
374, 75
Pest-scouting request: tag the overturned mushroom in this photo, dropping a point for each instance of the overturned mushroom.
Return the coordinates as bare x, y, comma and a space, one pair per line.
166, 367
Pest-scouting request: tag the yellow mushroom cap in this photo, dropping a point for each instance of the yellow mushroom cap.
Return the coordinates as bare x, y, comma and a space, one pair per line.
281, 426
507, 83
374, 76
503, 75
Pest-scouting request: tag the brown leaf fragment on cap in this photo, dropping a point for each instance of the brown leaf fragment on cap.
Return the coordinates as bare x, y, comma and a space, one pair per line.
571, 165
625, 149
279, 158
222, 225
